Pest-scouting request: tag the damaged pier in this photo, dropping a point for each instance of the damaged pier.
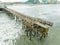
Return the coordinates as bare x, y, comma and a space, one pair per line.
33, 26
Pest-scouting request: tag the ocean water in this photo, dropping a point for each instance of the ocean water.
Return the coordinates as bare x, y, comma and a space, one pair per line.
11, 32
9, 29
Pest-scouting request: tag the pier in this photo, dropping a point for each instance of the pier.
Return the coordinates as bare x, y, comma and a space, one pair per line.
15, 30
33, 26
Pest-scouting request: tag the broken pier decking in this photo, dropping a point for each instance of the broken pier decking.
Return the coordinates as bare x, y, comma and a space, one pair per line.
30, 22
